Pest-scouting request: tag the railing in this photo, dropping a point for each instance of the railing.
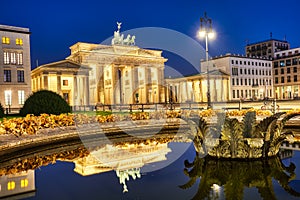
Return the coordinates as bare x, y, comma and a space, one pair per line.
150, 106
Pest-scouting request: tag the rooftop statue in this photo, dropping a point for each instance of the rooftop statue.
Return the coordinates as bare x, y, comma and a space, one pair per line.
118, 38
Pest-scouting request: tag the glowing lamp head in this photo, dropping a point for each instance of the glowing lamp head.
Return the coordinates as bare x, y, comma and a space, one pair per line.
202, 33
211, 35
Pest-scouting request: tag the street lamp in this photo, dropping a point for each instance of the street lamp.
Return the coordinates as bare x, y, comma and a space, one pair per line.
207, 32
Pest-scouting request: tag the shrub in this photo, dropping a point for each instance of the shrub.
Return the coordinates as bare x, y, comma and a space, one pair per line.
45, 101
1, 111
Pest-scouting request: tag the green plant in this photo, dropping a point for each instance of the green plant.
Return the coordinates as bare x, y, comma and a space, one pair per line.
1, 111
45, 101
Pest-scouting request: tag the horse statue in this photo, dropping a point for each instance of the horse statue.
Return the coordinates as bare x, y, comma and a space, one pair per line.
132, 41
127, 40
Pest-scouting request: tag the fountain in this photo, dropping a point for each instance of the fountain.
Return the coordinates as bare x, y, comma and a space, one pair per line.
246, 139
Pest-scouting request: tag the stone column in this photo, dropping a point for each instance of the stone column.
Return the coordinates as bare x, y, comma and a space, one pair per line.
45, 81
59, 83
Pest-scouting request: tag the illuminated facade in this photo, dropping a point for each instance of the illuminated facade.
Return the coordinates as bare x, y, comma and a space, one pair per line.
15, 84
286, 70
266, 49
66, 78
20, 185
126, 160
121, 73
250, 78
194, 88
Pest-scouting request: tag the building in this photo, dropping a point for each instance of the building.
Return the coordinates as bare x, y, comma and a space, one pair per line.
194, 88
121, 73
251, 78
67, 78
286, 70
17, 186
15, 83
266, 48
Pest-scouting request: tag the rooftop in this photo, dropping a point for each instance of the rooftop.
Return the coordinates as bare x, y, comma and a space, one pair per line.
267, 41
14, 29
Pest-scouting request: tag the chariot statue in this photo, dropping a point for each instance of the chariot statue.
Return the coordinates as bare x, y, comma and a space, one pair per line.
118, 38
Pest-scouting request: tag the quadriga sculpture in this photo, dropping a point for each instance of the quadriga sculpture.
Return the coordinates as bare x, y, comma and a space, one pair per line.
246, 139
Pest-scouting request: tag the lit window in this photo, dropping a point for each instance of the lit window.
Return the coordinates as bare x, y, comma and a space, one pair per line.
13, 58
19, 58
21, 97
19, 41
6, 57
7, 96
7, 75
24, 183
5, 40
20, 74
65, 83
11, 185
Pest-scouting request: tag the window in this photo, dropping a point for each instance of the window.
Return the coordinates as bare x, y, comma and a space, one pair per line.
289, 79
282, 79
249, 81
295, 61
275, 64
288, 62
233, 81
282, 71
21, 97
276, 80
5, 40
7, 75
242, 93
237, 94
13, 58
233, 93
24, 183
20, 74
245, 81
241, 71
19, 41
19, 58
282, 64
237, 81
7, 97
288, 70
241, 81
65, 83
6, 57
249, 71
295, 78
232, 61
252, 71
235, 71
236, 62
11, 185
295, 69
256, 73
245, 71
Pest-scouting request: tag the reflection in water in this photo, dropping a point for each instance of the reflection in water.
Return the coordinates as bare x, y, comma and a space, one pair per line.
129, 155
234, 176
126, 158
18, 185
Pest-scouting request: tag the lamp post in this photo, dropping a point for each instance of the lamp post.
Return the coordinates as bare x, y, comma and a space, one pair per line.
207, 32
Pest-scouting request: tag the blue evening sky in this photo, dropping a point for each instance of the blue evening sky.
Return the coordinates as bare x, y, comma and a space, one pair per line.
58, 24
